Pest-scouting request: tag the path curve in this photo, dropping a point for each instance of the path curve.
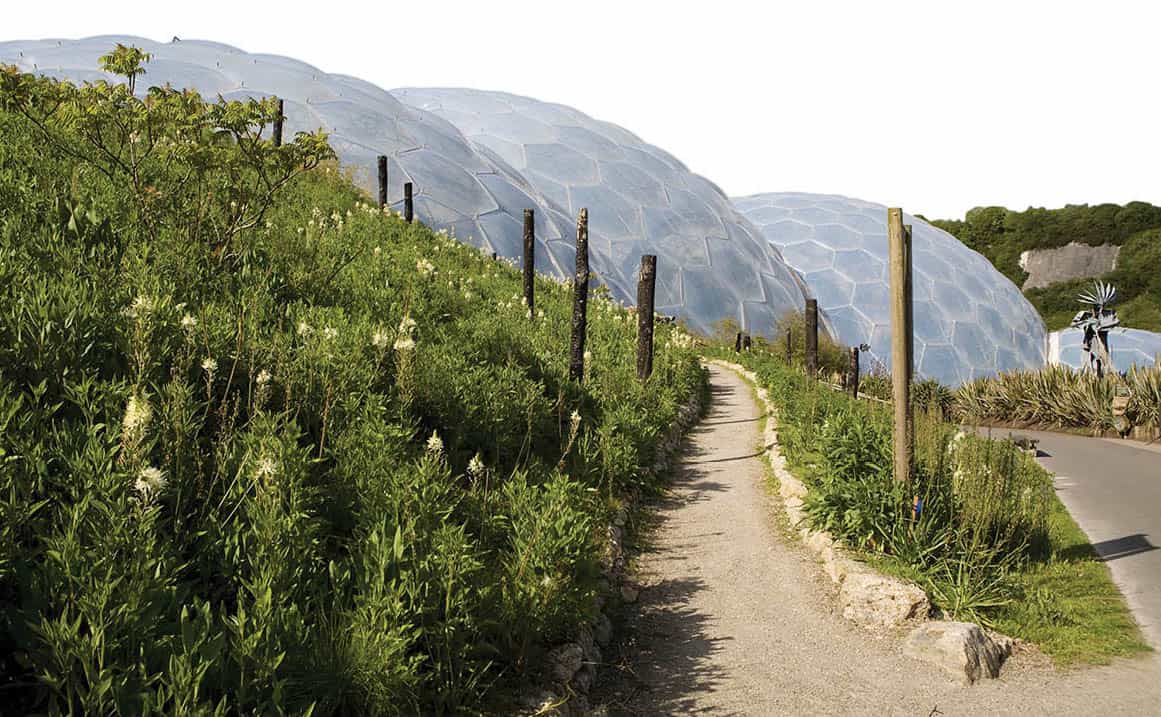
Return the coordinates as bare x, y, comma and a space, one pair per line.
735, 618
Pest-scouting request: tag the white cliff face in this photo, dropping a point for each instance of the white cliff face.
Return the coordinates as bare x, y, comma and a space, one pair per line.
1073, 261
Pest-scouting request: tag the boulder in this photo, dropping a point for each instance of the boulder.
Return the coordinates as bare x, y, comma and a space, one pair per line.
564, 662
963, 649
881, 602
602, 630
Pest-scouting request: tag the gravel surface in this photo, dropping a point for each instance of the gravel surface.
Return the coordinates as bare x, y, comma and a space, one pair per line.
734, 617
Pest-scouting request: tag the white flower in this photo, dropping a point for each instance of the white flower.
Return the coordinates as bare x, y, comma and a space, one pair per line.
476, 467
304, 329
188, 322
404, 343
150, 481
263, 377
137, 415
425, 267
266, 469
378, 251
574, 420
588, 356
540, 313
330, 333
141, 307
435, 445
468, 295
407, 325
380, 339
209, 365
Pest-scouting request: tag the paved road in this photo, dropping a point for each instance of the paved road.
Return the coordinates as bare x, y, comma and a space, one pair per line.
1113, 490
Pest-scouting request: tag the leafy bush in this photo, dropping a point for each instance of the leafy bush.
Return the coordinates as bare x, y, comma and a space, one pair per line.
269, 449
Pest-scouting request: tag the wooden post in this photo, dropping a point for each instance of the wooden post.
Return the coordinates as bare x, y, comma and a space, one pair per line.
899, 240
646, 285
278, 125
789, 347
382, 181
580, 298
529, 263
408, 205
854, 375
747, 342
738, 343
812, 337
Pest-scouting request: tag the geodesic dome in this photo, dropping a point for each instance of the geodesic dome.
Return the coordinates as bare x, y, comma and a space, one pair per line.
1126, 347
711, 264
455, 187
970, 320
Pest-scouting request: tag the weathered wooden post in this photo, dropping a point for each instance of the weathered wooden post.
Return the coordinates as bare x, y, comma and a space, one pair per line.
747, 342
278, 125
529, 268
580, 298
382, 181
738, 343
646, 285
408, 204
854, 372
789, 347
812, 337
899, 240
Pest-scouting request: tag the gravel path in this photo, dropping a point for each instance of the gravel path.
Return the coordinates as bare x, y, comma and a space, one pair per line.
734, 617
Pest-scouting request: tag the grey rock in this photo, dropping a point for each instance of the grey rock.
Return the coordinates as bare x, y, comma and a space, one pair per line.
564, 661
881, 602
963, 649
602, 630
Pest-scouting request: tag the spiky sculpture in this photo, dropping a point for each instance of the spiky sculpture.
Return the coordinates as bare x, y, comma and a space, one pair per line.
1096, 323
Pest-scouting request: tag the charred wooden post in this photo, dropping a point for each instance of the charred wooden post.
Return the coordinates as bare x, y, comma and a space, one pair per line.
529, 268
382, 181
812, 337
278, 125
853, 378
408, 203
899, 244
789, 347
738, 343
646, 288
580, 299
747, 342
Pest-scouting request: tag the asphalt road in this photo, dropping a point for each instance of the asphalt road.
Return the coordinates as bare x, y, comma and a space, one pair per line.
1113, 490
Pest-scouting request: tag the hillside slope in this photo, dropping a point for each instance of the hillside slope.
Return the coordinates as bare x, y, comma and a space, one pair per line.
265, 448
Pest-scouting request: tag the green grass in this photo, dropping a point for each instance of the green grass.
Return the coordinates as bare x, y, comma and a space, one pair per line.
1050, 589
1073, 611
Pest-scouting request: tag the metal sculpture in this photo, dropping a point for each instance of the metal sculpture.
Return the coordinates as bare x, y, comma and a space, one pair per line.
1095, 323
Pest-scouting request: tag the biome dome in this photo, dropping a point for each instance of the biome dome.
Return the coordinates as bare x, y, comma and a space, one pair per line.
1126, 348
712, 263
970, 320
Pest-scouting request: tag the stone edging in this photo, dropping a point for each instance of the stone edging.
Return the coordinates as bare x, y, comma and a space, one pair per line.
870, 599
573, 665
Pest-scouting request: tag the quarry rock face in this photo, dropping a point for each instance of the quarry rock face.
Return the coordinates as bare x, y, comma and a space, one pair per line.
1073, 261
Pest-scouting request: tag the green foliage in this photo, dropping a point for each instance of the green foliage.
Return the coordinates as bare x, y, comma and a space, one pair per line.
268, 449
1061, 397
1002, 235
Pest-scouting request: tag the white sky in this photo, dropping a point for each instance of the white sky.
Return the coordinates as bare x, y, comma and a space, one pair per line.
933, 106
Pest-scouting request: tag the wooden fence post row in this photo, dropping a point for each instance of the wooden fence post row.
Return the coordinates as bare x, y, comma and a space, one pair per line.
899, 239
382, 182
812, 338
529, 268
646, 286
580, 298
854, 372
278, 125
